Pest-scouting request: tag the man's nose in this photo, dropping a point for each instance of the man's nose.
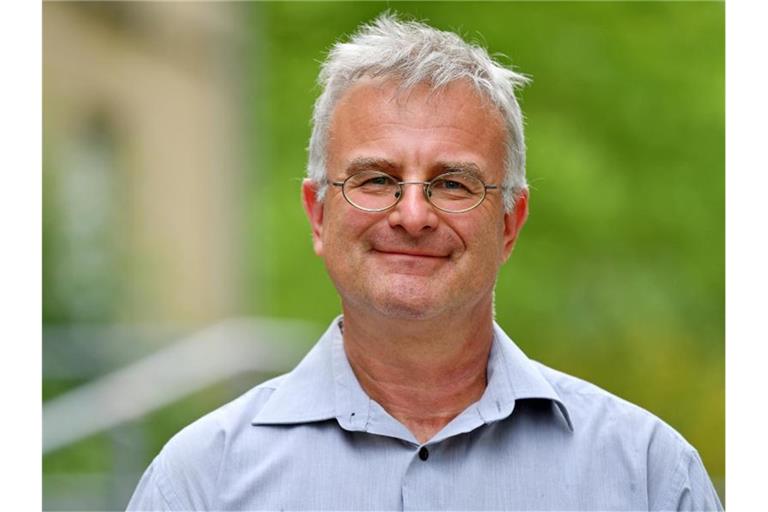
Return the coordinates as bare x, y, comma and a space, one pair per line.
413, 212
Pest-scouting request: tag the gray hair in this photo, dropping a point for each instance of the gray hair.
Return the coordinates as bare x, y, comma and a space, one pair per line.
416, 53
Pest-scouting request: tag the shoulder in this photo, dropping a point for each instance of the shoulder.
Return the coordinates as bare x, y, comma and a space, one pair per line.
675, 475
185, 473
203, 440
204, 437
603, 415
587, 403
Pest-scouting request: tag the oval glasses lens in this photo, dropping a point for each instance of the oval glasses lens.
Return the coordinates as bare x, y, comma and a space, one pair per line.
456, 192
371, 190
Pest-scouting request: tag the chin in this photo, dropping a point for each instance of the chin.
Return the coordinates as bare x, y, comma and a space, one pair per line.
411, 304
406, 311
402, 297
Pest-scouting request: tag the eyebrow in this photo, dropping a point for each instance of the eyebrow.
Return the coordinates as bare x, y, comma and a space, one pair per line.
465, 167
370, 164
383, 165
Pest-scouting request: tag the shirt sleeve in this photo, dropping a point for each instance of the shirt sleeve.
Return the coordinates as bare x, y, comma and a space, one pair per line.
692, 490
152, 493
184, 474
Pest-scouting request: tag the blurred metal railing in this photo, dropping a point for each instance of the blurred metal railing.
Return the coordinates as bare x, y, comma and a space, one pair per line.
193, 363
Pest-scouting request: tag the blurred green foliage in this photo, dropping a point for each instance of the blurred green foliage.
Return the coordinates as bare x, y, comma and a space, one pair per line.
618, 276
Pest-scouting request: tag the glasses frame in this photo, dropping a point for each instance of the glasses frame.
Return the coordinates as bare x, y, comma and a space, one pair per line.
425, 190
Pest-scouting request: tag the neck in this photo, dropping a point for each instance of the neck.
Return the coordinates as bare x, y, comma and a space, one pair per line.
423, 372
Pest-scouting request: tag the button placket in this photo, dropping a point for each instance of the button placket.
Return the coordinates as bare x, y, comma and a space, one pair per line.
423, 480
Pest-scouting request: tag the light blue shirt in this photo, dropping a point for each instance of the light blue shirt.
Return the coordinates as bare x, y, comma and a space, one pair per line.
536, 440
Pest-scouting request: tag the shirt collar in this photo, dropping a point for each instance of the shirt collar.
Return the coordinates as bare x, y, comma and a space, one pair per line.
511, 377
323, 386
307, 393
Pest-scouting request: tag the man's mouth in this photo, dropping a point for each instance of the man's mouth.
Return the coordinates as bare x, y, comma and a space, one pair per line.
416, 253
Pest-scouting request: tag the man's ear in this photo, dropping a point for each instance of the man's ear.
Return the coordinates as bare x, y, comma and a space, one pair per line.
514, 221
314, 210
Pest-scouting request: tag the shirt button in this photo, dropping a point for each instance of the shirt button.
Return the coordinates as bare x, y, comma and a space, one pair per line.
423, 453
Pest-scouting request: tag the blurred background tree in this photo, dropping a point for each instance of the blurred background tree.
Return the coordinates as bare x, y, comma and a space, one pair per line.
174, 145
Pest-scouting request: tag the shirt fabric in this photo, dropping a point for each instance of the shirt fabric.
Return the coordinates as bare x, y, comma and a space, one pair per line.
536, 440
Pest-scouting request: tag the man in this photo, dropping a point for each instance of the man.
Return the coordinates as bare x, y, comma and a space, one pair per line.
415, 398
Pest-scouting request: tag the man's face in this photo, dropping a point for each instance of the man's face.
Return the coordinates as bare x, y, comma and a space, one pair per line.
414, 261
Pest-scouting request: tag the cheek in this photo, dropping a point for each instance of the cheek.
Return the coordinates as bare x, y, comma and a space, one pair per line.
488, 244
344, 228
484, 233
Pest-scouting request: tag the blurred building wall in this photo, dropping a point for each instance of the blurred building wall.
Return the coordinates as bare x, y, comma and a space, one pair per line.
144, 195
143, 160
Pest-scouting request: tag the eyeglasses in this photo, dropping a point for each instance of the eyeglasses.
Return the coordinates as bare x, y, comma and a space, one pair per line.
452, 192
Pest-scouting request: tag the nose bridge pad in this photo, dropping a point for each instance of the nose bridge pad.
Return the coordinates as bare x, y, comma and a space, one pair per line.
425, 191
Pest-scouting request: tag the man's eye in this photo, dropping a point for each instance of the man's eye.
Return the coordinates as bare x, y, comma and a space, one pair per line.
457, 186
371, 184
449, 185
452, 185
378, 180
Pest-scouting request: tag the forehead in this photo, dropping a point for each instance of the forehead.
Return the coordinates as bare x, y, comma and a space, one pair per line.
416, 127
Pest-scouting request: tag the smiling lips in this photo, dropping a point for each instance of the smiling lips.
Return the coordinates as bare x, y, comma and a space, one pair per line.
409, 252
